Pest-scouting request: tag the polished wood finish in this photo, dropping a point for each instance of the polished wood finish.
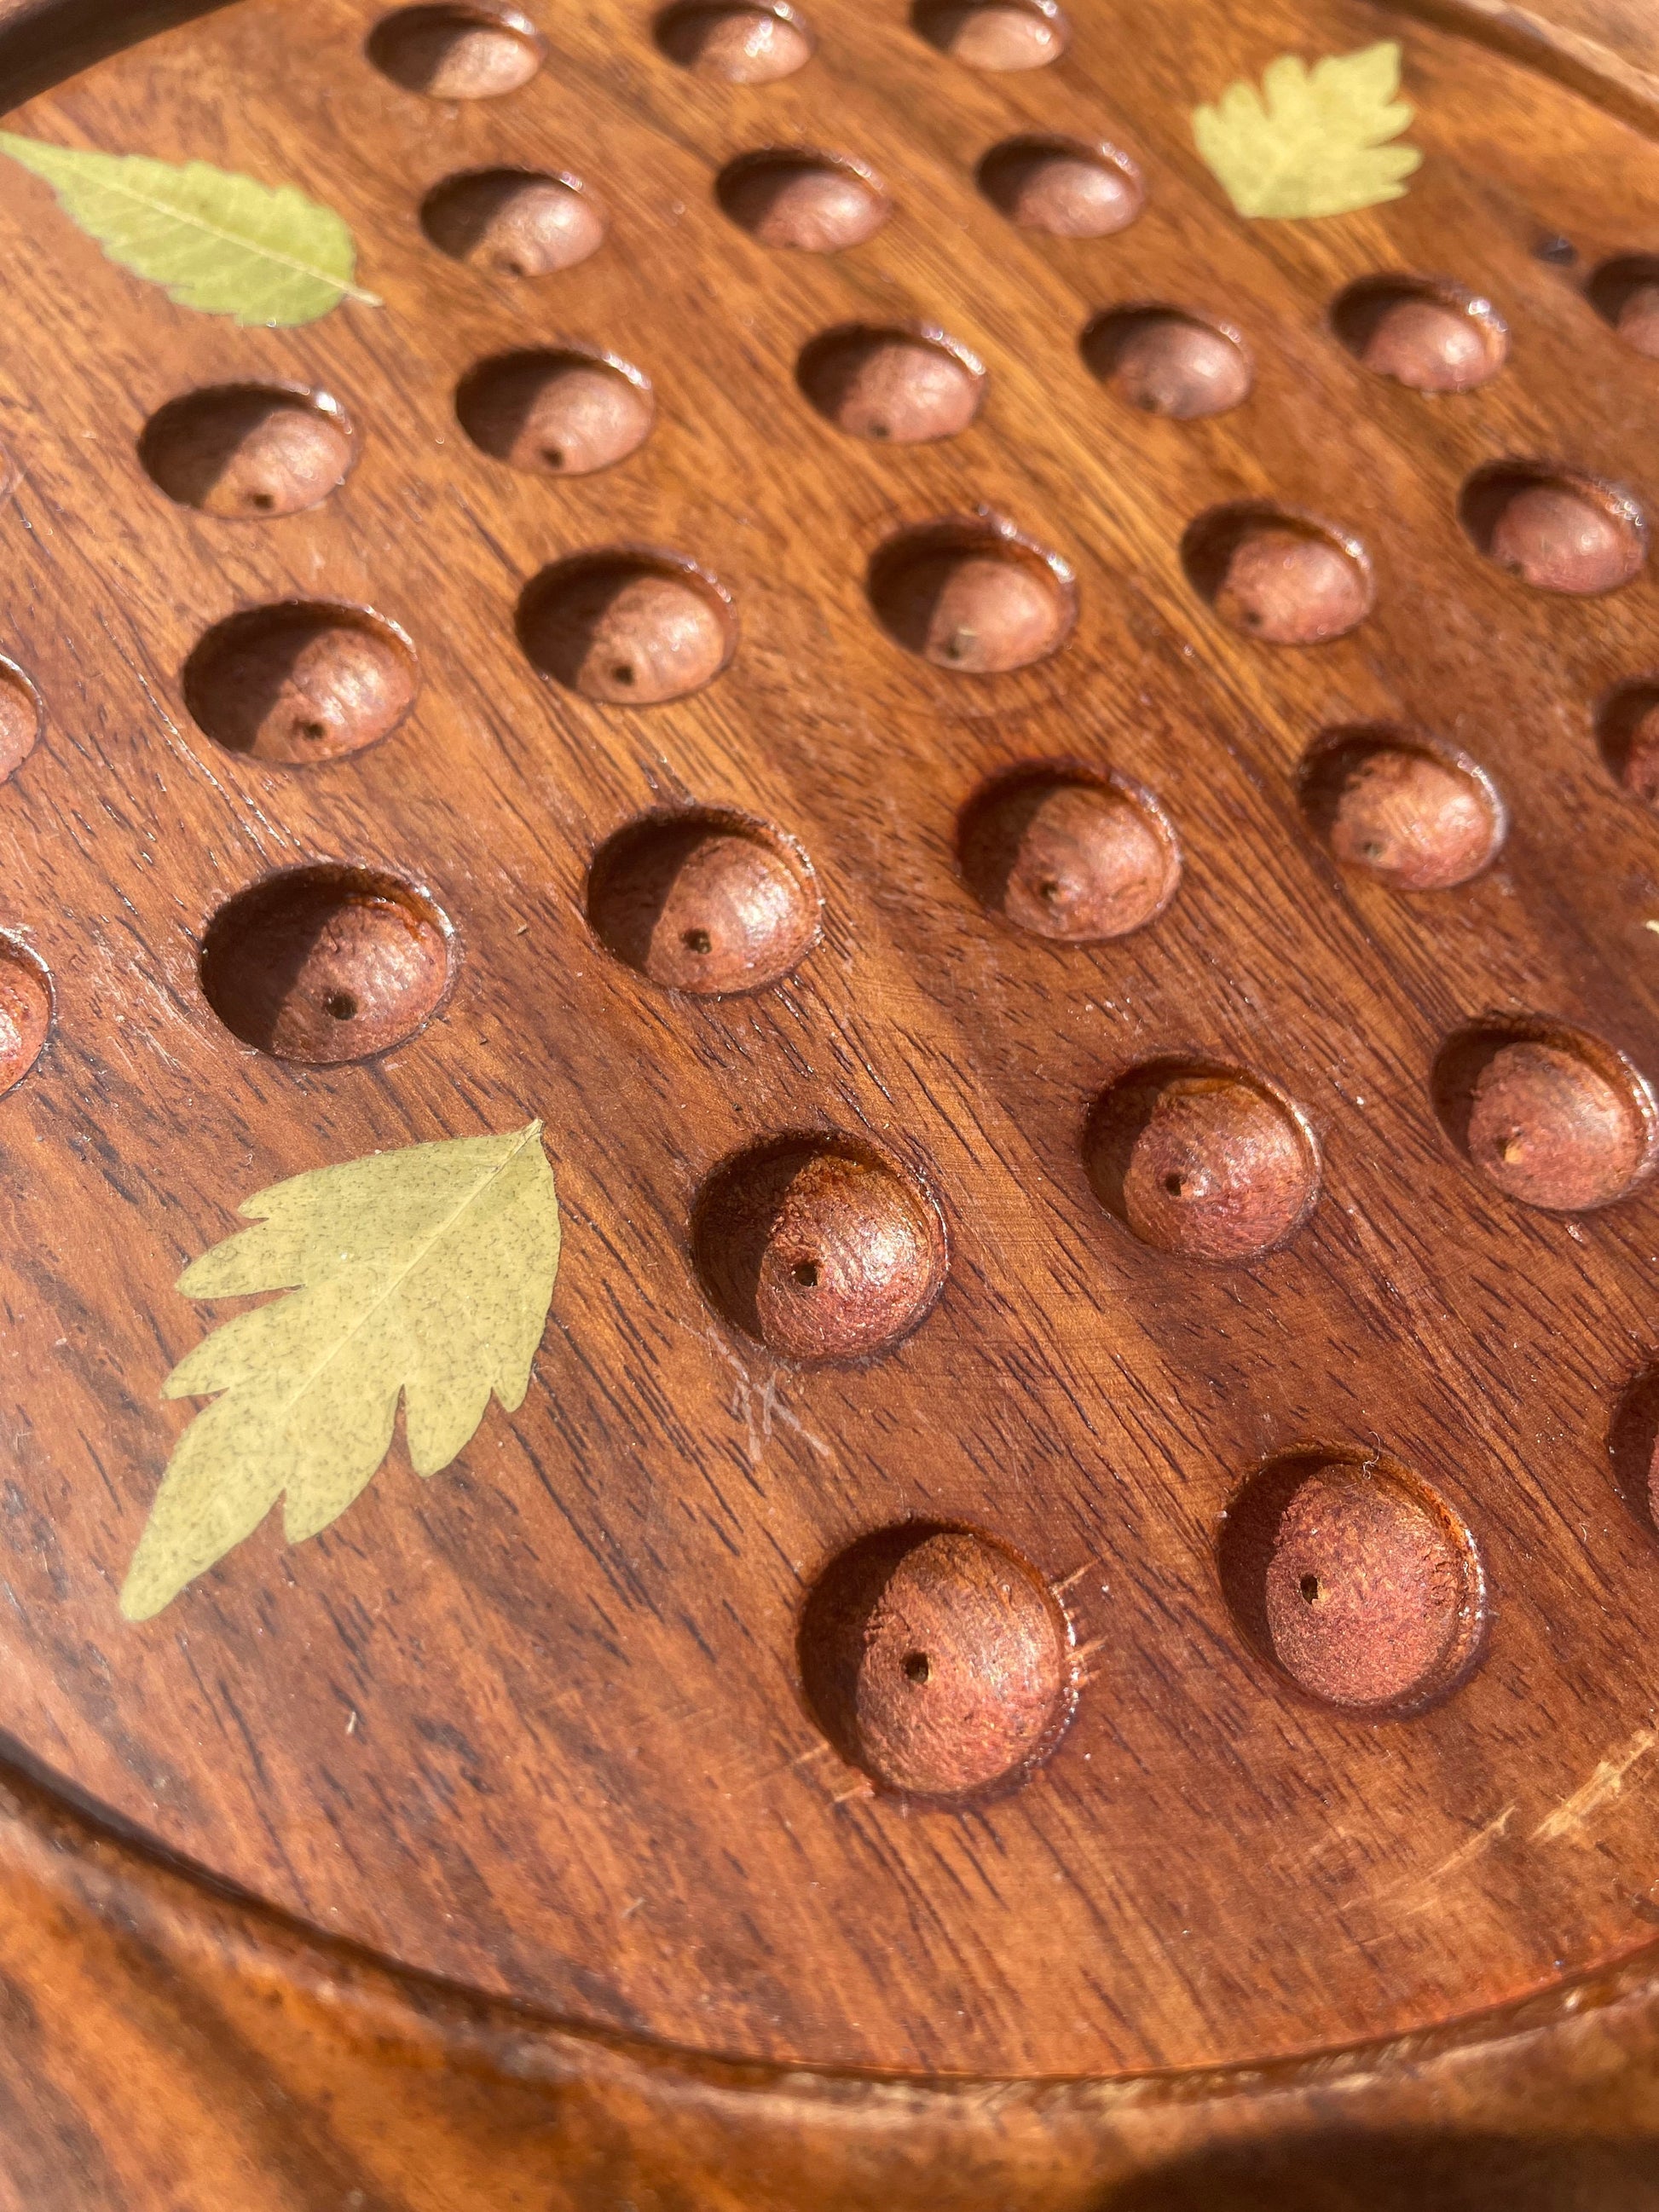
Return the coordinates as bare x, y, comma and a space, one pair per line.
1036, 783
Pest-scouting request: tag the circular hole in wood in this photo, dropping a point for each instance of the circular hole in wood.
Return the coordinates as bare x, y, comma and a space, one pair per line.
975, 597
1064, 186
937, 1661
513, 223
556, 414
1165, 361
793, 197
26, 1011
1634, 1442
458, 52
1625, 293
1627, 734
22, 718
1418, 815
819, 1246
705, 900
301, 682
731, 38
326, 963
1068, 854
1273, 573
1355, 1578
631, 628
1000, 35
248, 451
893, 386
1202, 1158
1423, 331
1553, 1116
1557, 530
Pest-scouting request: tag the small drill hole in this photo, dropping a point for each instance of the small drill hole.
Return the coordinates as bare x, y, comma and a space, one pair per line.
313, 732
1310, 1590
1511, 1148
262, 501
805, 1272
622, 673
916, 1668
697, 940
1174, 1185
554, 456
1049, 892
342, 1005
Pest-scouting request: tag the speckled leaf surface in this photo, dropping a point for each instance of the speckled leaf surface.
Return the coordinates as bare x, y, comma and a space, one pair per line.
223, 243
1312, 142
424, 1275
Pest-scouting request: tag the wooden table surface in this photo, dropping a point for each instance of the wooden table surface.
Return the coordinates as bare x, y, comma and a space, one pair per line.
519, 1840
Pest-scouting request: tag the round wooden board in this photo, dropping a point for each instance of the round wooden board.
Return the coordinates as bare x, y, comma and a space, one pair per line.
544, 1724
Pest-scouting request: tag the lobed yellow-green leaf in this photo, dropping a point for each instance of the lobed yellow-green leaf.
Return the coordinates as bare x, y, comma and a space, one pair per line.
424, 1275
1311, 141
217, 242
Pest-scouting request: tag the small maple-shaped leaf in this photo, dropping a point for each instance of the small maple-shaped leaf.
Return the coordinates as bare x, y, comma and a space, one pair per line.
1312, 141
425, 1275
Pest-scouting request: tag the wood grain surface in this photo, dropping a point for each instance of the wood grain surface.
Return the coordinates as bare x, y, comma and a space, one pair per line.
542, 1726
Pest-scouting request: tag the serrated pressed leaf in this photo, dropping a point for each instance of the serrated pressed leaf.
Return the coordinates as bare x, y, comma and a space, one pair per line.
424, 1275
1311, 141
217, 242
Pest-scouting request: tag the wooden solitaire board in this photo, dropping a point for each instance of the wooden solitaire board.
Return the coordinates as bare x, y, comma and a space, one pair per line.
1046, 787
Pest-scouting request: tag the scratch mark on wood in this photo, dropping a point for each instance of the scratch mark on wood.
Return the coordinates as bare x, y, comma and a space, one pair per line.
1604, 1785
1425, 1891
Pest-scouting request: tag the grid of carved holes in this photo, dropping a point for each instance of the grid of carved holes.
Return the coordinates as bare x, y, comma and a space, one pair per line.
936, 1659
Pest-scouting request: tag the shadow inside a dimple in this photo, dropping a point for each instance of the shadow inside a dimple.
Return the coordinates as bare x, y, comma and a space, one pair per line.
1418, 814
325, 963
744, 41
26, 1011
625, 627
1277, 574
556, 413
1338, 2168
1554, 1116
1167, 362
893, 386
1627, 735
1555, 529
794, 198
247, 450
1064, 186
997, 36
972, 597
1429, 334
301, 682
457, 49
513, 223
703, 901
819, 1246
1634, 1443
1625, 291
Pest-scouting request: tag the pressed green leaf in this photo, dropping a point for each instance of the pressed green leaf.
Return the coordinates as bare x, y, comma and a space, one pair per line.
1312, 141
218, 241
425, 1275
